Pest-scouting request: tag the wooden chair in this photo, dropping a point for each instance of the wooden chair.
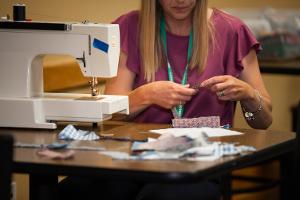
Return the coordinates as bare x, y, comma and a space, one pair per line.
6, 158
296, 176
291, 176
289, 172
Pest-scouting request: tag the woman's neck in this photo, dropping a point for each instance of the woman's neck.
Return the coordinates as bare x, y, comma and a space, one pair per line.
178, 27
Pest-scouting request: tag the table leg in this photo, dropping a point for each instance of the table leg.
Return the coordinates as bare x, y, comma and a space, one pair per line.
226, 186
287, 176
43, 187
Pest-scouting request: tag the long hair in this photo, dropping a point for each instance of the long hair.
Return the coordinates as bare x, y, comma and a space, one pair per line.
152, 56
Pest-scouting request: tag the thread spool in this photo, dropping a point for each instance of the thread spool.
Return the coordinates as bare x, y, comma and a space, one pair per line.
19, 12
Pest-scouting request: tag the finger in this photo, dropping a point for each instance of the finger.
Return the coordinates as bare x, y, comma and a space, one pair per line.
196, 86
181, 102
226, 95
177, 102
187, 91
184, 89
213, 80
184, 98
218, 87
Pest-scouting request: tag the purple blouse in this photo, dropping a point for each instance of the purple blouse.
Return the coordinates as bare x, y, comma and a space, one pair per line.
233, 41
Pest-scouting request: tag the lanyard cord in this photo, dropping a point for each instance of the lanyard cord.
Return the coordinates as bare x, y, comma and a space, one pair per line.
163, 34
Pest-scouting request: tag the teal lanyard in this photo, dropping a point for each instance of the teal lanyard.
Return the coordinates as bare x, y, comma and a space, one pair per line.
163, 33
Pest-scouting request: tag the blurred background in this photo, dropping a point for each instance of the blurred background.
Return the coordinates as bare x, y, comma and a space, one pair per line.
275, 23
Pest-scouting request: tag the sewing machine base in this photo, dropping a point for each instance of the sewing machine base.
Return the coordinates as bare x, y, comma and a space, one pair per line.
38, 112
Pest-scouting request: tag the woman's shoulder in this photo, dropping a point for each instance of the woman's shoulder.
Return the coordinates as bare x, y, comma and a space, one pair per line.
224, 21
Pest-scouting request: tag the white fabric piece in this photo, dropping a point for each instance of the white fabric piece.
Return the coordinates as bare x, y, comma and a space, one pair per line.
194, 132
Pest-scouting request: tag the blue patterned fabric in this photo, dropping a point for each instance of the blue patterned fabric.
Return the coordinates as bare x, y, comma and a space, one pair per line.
71, 133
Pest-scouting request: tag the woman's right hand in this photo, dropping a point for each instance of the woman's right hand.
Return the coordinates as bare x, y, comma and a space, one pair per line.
168, 94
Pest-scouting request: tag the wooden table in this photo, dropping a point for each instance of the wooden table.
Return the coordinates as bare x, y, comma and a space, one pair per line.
43, 172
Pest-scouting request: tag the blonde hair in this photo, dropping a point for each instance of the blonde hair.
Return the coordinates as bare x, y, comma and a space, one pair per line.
152, 56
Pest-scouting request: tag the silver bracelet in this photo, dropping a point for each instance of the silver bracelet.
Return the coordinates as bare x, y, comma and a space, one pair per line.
251, 115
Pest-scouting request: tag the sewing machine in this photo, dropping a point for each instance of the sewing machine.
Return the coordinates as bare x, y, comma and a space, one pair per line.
23, 102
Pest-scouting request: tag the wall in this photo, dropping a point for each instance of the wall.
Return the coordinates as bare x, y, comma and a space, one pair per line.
255, 3
107, 10
72, 10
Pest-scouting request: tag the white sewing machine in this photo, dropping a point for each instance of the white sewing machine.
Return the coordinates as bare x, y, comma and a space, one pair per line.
23, 45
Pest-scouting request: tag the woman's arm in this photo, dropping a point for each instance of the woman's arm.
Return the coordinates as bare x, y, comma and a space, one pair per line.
163, 93
122, 85
251, 75
245, 89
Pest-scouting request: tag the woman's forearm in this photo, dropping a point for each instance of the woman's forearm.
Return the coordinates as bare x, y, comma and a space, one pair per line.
263, 118
139, 99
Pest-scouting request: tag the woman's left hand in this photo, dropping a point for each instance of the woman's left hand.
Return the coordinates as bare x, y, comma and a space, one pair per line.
229, 88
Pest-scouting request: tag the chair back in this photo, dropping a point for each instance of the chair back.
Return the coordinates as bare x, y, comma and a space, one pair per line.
297, 152
6, 162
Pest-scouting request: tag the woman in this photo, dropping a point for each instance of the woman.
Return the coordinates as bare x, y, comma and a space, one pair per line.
168, 48
222, 60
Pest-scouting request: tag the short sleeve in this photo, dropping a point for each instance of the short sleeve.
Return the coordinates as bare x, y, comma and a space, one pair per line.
245, 41
237, 40
128, 24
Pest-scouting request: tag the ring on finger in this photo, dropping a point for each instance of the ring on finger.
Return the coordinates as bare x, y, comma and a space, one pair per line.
221, 94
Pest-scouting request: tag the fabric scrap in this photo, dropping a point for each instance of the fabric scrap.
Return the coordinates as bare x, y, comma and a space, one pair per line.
71, 133
211, 121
